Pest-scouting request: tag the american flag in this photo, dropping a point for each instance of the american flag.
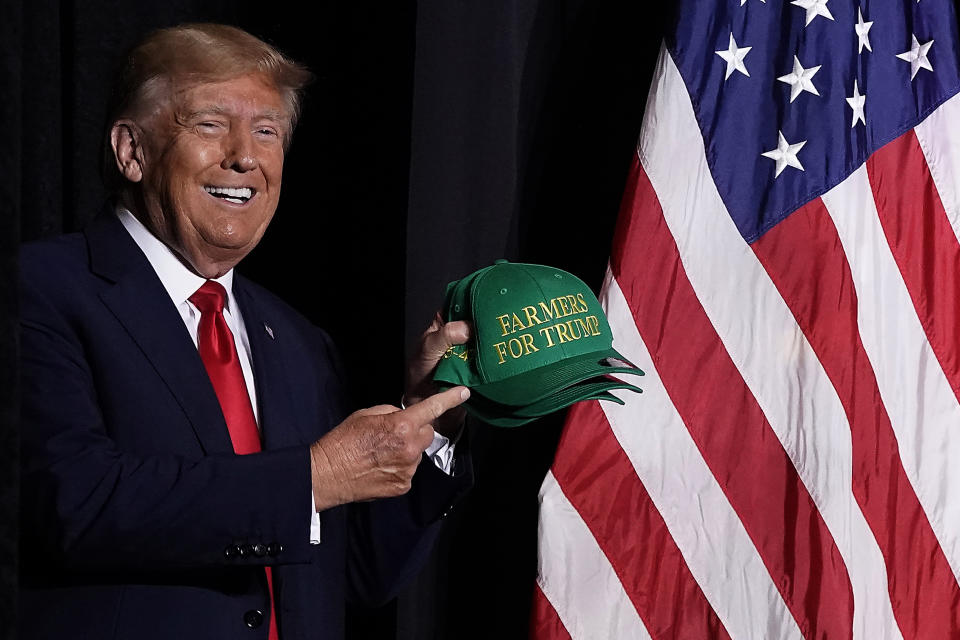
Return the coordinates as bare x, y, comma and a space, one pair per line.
786, 268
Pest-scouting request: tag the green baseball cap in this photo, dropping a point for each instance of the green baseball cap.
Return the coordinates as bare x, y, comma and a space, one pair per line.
537, 331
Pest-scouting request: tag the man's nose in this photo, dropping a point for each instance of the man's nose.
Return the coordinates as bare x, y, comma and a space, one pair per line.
239, 152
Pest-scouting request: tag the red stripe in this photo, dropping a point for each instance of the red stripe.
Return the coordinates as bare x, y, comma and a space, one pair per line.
725, 421
923, 244
600, 482
545, 624
805, 259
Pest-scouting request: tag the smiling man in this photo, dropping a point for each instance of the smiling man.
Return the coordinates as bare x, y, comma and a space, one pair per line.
208, 159
190, 469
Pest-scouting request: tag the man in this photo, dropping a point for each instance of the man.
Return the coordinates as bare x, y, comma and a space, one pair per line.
189, 470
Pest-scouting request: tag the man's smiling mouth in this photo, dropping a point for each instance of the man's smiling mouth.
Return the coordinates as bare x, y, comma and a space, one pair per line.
234, 195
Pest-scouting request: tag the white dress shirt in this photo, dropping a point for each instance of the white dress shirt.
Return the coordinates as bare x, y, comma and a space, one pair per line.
181, 283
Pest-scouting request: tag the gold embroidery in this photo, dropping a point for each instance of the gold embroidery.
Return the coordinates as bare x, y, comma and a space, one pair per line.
520, 330
454, 351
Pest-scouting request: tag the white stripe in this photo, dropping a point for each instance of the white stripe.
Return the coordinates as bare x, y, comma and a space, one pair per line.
763, 340
576, 577
939, 137
922, 407
706, 529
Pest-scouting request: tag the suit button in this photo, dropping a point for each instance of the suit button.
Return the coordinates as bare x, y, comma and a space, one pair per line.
246, 550
274, 549
253, 618
233, 551
259, 550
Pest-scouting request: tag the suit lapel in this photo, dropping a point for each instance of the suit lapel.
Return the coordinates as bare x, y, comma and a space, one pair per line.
267, 343
138, 300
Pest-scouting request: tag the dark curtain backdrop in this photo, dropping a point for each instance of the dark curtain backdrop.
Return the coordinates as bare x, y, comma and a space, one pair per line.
438, 136
525, 119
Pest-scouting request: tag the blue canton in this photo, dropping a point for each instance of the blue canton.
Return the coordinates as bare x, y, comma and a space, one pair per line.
789, 101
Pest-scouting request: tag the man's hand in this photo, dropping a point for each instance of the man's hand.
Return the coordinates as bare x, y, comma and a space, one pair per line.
375, 452
434, 343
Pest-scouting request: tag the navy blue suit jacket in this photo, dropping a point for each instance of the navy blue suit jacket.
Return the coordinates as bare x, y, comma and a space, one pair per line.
138, 521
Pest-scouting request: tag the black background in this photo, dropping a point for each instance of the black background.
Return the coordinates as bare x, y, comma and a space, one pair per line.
438, 136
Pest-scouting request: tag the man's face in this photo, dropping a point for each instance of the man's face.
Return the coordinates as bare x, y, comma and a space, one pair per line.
212, 159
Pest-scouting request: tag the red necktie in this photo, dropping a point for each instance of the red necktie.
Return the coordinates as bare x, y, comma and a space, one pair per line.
219, 355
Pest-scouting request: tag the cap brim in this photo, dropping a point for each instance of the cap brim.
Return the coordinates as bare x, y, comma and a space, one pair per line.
513, 420
534, 385
559, 399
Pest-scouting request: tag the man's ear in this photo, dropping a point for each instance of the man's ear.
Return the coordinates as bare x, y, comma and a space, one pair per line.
126, 139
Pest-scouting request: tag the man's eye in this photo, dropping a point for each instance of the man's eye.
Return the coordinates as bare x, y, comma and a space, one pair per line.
210, 126
266, 132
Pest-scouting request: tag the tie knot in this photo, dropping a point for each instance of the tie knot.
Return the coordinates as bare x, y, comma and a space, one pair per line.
209, 297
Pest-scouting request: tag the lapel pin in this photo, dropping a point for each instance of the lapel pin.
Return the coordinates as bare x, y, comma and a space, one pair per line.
269, 330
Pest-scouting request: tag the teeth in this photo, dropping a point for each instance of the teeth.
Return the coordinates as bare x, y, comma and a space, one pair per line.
243, 193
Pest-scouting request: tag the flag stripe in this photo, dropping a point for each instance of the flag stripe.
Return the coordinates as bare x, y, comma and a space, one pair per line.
545, 624
805, 248
922, 242
923, 409
728, 425
716, 547
939, 137
576, 576
601, 484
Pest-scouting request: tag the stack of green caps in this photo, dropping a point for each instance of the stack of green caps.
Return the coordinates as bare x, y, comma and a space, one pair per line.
540, 343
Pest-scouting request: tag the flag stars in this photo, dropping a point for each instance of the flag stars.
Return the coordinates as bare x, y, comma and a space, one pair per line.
856, 102
863, 30
814, 8
734, 56
785, 155
800, 79
917, 56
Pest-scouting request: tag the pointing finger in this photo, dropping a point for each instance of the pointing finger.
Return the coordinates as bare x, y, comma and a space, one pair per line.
431, 408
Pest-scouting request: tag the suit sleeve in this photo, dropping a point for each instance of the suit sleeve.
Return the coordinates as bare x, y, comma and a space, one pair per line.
390, 539
394, 537
88, 503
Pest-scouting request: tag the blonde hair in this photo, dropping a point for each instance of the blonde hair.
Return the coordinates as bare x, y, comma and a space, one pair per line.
198, 52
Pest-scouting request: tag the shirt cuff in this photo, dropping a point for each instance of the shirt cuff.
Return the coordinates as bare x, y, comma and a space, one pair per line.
314, 521
440, 452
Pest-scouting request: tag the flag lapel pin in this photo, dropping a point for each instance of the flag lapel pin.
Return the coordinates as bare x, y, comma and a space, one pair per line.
269, 330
